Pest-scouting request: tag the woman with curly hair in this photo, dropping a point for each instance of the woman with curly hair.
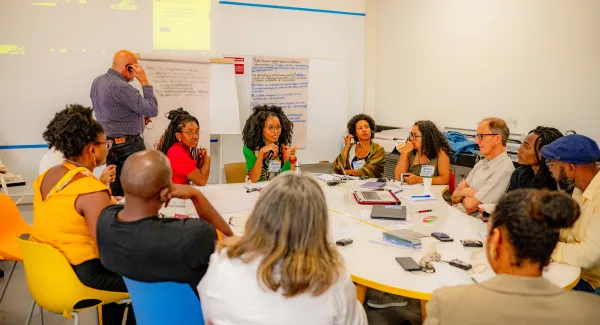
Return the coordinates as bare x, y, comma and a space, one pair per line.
189, 163
363, 157
426, 145
267, 140
68, 200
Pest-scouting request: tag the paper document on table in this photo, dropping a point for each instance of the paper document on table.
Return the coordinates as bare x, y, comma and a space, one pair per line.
237, 222
225, 199
408, 187
449, 276
419, 198
325, 177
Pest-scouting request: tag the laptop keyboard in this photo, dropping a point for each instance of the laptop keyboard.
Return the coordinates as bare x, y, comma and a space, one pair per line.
370, 195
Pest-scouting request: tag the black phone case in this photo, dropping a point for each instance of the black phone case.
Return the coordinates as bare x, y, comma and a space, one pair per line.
400, 261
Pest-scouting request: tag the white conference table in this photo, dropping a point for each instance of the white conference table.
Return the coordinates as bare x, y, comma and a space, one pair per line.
373, 265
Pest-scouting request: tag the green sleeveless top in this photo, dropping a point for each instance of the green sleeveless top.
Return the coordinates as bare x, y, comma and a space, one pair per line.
415, 169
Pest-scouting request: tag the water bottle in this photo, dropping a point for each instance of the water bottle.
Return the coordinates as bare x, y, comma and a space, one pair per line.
298, 167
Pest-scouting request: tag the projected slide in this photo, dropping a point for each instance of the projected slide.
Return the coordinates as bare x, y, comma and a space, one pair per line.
84, 28
114, 4
181, 24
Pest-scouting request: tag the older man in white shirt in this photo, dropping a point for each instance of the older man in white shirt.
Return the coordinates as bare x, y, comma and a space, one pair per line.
490, 177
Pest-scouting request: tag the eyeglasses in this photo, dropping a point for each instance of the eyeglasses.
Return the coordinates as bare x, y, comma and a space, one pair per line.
412, 136
107, 144
191, 134
480, 136
272, 128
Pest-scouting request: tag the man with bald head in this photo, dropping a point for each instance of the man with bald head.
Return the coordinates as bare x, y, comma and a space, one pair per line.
134, 242
122, 111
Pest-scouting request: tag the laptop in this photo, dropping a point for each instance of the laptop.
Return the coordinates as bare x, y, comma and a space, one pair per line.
372, 197
392, 212
385, 197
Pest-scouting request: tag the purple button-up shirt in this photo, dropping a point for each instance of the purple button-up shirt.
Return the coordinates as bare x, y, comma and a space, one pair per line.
119, 107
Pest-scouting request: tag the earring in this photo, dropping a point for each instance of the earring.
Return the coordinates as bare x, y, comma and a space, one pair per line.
492, 254
95, 162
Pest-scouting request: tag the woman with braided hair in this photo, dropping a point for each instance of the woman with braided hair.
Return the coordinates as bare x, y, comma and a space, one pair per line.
190, 164
426, 145
533, 172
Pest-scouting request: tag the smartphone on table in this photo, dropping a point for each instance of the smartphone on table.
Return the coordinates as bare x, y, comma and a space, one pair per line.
408, 263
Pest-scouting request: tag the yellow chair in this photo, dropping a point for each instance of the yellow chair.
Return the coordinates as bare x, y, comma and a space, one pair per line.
55, 286
12, 225
235, 172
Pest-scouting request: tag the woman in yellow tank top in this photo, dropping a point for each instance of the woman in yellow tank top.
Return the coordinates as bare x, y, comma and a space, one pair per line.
68, 200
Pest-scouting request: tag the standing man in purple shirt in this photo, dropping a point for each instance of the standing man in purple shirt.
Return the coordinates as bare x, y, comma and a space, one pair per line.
122, 111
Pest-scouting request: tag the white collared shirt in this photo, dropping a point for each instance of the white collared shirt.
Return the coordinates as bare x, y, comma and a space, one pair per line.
491, 178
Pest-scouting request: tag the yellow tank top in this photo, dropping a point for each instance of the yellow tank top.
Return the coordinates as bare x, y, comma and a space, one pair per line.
57, 223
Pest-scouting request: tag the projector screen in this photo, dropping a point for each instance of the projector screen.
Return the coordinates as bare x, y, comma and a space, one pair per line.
51, 51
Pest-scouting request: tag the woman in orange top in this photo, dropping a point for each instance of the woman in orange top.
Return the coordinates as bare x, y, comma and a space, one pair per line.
68, 200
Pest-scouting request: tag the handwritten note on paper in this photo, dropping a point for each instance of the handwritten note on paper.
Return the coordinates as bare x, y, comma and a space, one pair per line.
173, 81
283, 82
179, 84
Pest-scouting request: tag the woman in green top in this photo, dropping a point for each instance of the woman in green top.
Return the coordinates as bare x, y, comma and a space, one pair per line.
426, 146
267, 137
363, 157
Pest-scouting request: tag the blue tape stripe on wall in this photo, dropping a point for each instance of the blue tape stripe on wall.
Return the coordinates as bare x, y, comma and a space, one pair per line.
235, 3
25, 146
45, 146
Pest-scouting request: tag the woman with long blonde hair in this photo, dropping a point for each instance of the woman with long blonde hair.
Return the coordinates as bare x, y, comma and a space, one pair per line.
283, 270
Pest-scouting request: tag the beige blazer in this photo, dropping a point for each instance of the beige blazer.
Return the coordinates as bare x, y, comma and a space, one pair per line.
512, 300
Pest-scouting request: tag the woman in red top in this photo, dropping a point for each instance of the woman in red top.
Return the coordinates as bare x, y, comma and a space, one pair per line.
190, 164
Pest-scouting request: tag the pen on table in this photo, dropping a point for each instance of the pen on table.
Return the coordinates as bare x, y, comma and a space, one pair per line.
472, 279
423, 211
398, 191
420, 196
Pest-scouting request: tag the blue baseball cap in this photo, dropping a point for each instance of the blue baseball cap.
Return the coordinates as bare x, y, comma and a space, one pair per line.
574, 149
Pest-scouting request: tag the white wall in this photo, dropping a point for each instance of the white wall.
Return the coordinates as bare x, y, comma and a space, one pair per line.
261, 31
531, 62
34, 87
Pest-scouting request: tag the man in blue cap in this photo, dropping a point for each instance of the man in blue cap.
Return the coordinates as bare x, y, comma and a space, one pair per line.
572, 160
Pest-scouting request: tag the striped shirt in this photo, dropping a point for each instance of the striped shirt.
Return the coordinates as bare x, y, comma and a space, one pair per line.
119, 107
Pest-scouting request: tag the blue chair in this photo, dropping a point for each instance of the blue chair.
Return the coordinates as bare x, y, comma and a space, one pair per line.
162, 303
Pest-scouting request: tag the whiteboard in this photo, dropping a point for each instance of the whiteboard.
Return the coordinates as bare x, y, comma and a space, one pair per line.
327, 110
224, 111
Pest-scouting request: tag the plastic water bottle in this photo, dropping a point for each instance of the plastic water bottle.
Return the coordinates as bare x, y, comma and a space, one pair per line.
298, 167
